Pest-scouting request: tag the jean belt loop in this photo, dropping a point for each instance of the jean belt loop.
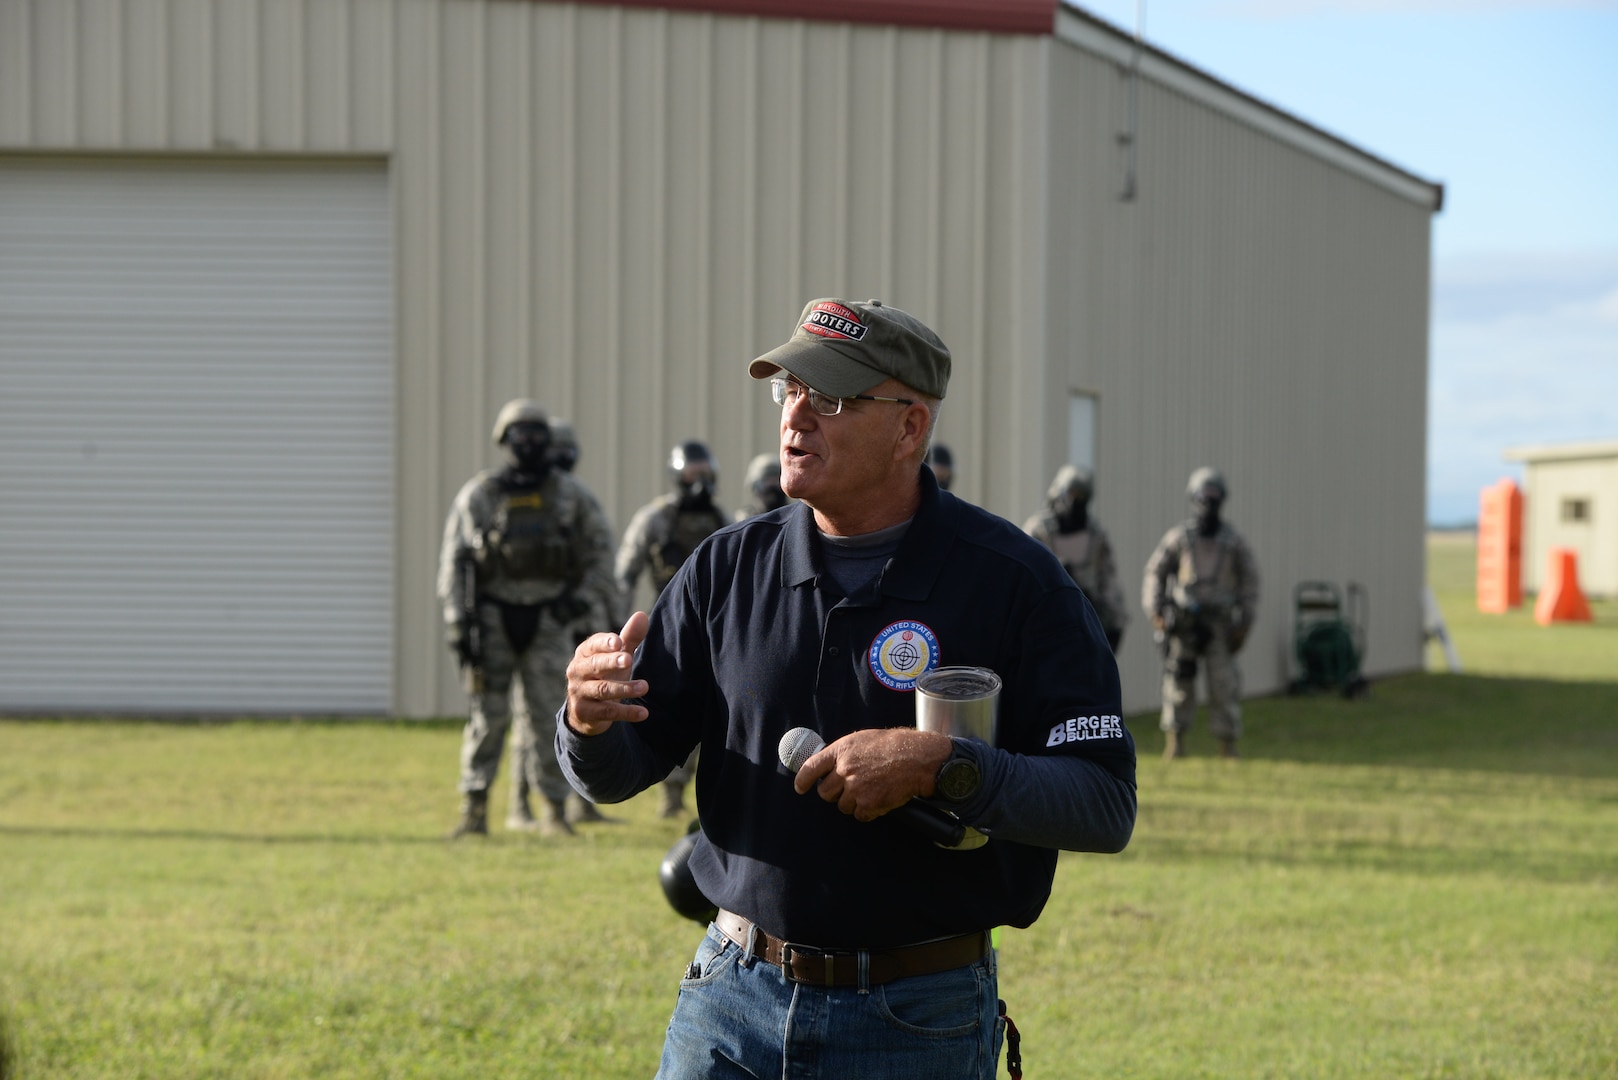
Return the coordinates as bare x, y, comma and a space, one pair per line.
864, 965
752, 943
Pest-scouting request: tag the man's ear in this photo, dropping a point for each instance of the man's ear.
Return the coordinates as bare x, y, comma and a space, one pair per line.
912, 432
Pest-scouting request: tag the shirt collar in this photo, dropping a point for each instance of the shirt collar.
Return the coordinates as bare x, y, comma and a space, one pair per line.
917, 564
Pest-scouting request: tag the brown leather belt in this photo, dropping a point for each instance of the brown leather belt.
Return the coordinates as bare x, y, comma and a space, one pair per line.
842, 967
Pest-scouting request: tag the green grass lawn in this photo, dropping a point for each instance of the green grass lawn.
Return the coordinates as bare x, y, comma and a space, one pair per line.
1420, 884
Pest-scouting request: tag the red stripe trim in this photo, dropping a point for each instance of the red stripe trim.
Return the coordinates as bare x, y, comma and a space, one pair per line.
993, 16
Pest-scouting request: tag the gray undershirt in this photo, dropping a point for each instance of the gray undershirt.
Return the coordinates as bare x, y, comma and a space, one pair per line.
856, 563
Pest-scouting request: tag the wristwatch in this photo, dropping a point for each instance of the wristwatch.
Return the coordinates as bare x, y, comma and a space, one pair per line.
958, 778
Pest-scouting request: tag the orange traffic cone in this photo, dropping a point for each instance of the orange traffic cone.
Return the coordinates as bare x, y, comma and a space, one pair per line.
1560, 600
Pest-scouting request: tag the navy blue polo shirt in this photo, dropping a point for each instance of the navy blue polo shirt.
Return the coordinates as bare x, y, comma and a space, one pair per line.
752, 638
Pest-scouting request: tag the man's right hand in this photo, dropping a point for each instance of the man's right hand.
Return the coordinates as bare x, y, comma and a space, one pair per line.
598, 679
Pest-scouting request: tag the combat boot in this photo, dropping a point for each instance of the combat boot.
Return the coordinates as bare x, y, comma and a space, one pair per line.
1173, 745
673, 799
582, 811
519, 818
553, 819
474, 816
1227, 748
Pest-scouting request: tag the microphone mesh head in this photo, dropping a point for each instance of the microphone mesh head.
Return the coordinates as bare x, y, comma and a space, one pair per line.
798, 746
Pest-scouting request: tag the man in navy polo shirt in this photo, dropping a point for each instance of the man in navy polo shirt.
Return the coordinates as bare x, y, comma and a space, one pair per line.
847, 942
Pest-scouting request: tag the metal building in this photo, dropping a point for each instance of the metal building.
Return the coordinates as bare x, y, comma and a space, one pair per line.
1570, 500
269, 268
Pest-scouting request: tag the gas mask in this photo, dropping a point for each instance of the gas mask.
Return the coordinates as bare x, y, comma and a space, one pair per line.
768, 492
565, 458
1205, 504
696, 487
1072, 513
527, 445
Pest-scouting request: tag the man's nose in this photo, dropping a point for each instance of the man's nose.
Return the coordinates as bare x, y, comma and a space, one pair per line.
798, 415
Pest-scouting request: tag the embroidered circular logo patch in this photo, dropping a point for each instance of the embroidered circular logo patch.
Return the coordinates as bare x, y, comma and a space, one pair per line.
902, 653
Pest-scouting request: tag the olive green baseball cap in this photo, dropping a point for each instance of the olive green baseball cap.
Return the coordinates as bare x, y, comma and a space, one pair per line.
845, 347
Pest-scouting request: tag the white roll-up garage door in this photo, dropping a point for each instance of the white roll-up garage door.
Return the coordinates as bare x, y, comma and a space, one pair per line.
196, 437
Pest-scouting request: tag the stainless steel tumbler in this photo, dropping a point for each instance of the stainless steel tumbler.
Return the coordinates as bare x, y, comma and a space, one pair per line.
961, 702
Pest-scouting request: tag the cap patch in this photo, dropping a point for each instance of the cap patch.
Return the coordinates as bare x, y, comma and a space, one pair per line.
834, 321
902, 653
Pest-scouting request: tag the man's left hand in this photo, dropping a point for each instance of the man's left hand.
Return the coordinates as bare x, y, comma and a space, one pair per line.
869, 773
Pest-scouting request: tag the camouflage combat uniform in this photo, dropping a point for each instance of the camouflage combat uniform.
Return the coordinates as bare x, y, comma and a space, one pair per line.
1086, 555
659, 538
543, 557
1206, 589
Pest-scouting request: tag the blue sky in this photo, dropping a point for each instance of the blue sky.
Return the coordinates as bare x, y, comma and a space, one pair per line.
1513, 106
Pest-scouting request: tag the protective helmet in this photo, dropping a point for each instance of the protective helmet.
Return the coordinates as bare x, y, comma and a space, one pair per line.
763, 468
1074, 482
687, 454
1202, 478
680, 886
518, 410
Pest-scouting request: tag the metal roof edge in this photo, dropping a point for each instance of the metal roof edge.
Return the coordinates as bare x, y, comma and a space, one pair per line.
1600, 448
1083, 30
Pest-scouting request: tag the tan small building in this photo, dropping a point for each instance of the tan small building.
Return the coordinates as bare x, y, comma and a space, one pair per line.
1570, 501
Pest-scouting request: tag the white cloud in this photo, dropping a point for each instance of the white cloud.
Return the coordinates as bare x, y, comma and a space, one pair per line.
1524, 351
1606, 309
1488, 288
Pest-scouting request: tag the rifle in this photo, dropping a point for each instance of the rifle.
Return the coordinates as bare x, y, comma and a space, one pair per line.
470, 644
1192, 624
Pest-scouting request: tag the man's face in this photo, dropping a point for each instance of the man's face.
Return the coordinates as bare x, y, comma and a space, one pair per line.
833, 462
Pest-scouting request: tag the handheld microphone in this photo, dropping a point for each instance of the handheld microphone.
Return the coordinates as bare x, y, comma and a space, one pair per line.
801, 743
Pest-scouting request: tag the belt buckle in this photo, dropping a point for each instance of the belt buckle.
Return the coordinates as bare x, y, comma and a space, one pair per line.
791, 952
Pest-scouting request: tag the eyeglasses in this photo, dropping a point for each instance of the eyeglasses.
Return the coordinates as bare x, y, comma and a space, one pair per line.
786, 393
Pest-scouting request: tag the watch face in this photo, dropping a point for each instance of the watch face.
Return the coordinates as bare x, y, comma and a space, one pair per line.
958, 780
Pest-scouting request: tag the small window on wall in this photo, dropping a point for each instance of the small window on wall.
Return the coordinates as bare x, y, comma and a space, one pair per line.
1081, 430
1575, 511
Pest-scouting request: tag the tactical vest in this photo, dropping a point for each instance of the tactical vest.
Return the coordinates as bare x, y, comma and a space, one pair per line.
1076, 552
528, 538
1202, 576
686, 531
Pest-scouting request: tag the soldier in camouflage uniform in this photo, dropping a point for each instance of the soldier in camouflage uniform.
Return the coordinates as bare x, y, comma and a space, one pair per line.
764, 484
564, 455
1201, 593
659, 538
1081, 544
526, 556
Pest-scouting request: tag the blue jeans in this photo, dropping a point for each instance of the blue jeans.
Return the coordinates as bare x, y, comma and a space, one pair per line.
738, 1016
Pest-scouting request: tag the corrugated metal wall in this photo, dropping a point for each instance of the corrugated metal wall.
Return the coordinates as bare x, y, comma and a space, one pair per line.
612, 210
1255, 307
